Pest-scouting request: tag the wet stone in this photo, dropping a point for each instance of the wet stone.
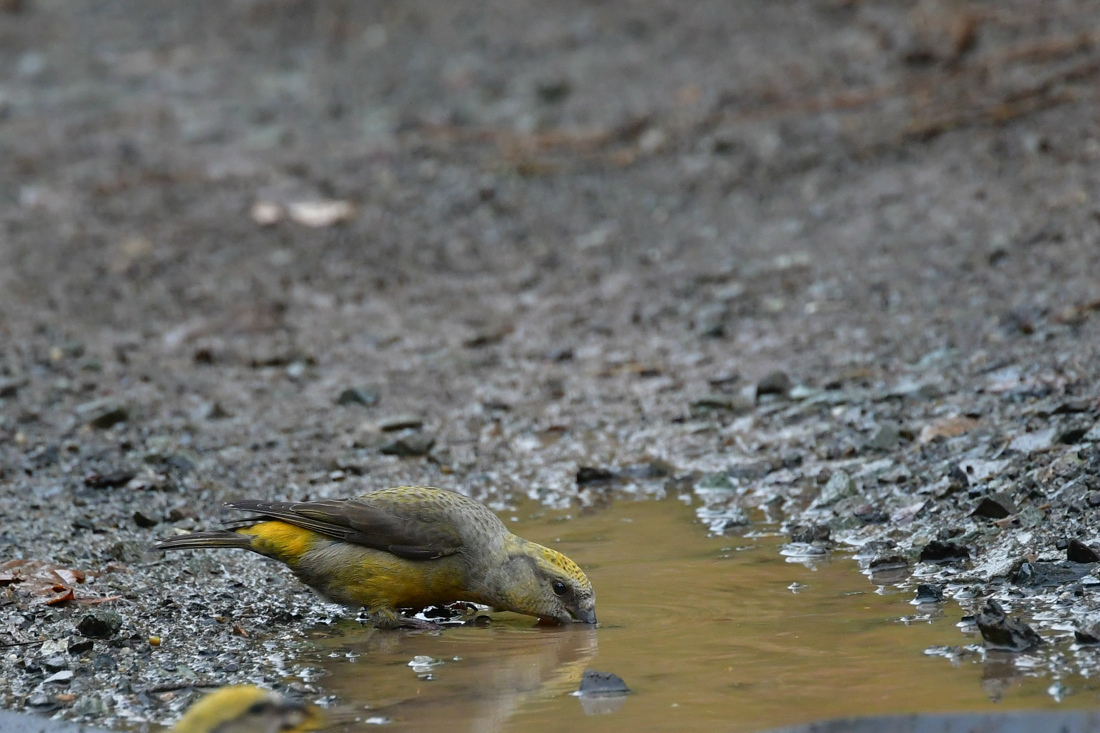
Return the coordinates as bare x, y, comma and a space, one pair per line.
99, 624
887, 561
9, 388
601, 692
104, 663
214, 411
1001, 632
886, 569
776, 383
710, 320
1071, 435
1078, 551
1088, 633
723, 518
108, 480
749, 471
938, 551
560, 353
144, 521
802, 392
63, 677
80, 646
102, 414
929, 593
128, 551
809, 533
994, 506
839, 486
885, 438
180, 463
181, 512
400, 422
1031, 442
593, 475
1067, 407
1093, 499
791, 459
602, 683
956, 478
717, 481
718, 401
870, 514
408, 446
55, 663
651, 471
47, 456
1044, 574
725, 382
91, 705
359, 396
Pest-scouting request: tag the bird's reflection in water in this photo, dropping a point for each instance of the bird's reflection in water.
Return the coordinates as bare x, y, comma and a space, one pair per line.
999, 673
471, 679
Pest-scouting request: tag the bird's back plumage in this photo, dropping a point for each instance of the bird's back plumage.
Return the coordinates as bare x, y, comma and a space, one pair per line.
411, 522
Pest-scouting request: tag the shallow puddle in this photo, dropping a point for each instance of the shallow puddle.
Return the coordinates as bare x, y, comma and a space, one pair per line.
711, 633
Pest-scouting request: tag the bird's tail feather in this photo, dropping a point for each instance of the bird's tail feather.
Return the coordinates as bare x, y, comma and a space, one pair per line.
212, 538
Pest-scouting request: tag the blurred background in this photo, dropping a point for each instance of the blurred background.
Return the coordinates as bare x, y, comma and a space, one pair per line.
485, 207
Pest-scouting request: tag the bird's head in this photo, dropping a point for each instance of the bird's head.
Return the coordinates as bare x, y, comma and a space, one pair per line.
248, 709
538, 581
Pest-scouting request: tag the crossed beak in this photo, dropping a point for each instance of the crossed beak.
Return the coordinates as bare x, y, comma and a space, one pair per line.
585, 616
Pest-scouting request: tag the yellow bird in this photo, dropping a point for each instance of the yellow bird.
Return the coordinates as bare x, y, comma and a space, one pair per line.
248, 709
407, 548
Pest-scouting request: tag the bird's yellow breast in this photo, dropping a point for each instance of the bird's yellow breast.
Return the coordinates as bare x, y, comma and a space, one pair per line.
354, 574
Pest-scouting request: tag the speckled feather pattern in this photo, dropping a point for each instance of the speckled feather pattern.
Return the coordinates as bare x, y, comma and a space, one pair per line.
560, 561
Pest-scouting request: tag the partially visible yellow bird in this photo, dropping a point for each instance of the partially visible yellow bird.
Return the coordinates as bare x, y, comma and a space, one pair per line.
248, 709
407, 548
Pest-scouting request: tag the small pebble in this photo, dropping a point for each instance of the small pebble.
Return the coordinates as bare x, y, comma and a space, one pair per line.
1078, 551
416, 444
995, 506
99, 624
775, 383
593, 474
602, 683
400, 422
102, 414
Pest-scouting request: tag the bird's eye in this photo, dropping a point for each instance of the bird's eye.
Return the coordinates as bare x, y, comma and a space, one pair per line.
559, 588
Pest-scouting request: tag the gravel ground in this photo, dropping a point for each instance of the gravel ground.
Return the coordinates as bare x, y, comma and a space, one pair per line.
827, 263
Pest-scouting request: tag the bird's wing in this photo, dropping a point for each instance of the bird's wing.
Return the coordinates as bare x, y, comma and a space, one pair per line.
410, 530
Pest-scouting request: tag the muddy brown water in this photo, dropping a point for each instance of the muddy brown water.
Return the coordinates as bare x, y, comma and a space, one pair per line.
711, 634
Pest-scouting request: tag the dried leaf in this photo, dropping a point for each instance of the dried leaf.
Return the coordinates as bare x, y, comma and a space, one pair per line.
70, 576
61, 598
53, 583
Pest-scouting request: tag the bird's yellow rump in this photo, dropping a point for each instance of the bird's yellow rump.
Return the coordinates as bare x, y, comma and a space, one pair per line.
248, 709
406, 548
